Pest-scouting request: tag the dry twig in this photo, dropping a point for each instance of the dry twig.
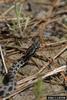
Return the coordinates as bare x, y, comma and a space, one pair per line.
3, 60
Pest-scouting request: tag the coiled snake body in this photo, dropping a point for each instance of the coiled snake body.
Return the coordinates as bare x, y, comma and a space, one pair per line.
10, 84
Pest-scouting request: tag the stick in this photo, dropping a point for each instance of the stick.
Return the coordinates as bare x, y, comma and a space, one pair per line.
55, 71
3, 60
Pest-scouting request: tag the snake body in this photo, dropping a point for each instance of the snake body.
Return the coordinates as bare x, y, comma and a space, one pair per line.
10, 84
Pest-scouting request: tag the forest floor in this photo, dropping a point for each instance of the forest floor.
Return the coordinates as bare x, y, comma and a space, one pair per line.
20, 21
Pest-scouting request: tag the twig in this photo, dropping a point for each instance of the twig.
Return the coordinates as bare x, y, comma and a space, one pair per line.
7, 11
10, 19
55, 44
55, 71
61, 12
3, 60
63, 50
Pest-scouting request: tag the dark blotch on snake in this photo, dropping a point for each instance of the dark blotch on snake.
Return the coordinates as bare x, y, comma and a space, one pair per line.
1, 92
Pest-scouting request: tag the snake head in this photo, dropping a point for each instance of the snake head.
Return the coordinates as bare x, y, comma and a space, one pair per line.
32, 49
36, 42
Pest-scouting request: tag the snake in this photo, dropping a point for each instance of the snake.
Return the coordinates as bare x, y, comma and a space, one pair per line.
9, 79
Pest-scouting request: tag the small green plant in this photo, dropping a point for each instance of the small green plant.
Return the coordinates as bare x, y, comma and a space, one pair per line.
38, 89
18, 15
20, 24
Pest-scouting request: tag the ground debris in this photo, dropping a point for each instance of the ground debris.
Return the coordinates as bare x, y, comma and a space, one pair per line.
20, 21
